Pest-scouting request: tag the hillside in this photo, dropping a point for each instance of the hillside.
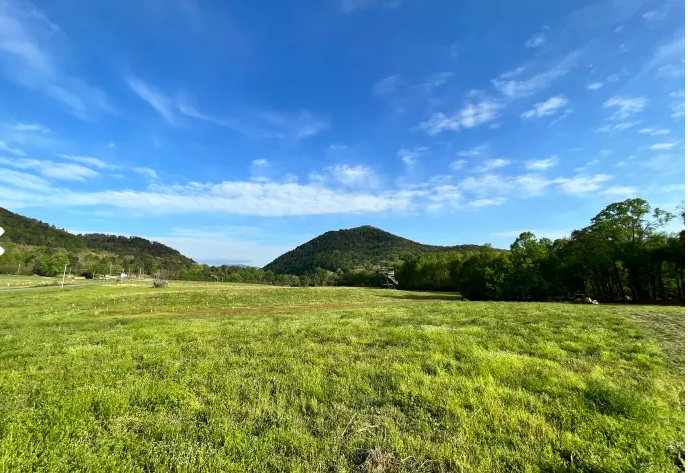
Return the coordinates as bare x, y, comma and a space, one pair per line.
356, 247
30, 242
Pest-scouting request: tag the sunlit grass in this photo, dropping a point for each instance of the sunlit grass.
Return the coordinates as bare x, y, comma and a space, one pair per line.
223, 377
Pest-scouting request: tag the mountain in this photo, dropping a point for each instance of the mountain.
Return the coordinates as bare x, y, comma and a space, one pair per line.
28, 234
356, 247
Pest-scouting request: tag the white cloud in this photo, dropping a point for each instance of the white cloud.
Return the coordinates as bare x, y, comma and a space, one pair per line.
668, 145
513, 73
665, 162
513, 89
110, 145
541, 164
14, 151
491, 164
28, 45
296, 125
458, 164
582, 184
548, 107
350, 176
155, 98
147, 172
61, 171
387, 86
88, 160
480, 203
435, 80
470, 116
240, 198
621, 191
29, 127
655, 131
265, 124
671, 188
23, 180
536, 40
260, 162
654, 15
626, 106
619, 126
595, 85
409, 156
475, 151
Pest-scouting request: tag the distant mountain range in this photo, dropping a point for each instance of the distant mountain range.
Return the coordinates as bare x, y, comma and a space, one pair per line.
30, 232
360, 247
364, 246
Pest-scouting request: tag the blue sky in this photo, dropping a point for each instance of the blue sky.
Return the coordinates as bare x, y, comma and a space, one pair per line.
235, 131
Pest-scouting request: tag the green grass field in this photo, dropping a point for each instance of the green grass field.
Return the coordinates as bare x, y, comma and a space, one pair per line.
223, 377
10, 281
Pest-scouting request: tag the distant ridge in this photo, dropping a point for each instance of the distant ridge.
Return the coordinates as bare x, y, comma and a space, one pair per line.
365, 246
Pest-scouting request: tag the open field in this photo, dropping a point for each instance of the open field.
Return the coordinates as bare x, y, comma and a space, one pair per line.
225, 377
10, 281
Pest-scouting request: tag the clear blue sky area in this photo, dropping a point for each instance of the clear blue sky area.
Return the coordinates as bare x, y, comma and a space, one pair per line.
235, 131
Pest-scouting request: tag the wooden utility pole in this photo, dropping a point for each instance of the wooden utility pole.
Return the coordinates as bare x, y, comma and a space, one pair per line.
63, 274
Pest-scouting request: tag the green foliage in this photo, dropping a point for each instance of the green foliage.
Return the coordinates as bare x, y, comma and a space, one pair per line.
209, 377
621, 254
34, 247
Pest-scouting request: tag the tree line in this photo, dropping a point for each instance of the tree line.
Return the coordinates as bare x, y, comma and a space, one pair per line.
622, 254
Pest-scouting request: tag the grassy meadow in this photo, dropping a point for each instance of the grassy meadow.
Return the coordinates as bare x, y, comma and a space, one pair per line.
201, 377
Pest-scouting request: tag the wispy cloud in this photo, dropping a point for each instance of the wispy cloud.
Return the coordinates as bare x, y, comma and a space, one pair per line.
410, 156
472, 152
582, 184
88, 160
480, 203
264, 124
387, 86
541, 164
14, 151
491, 164
147, 172
625, 106
621, 191
548, 107
537, 40
51, 169
473, 114
260, 162
359, 176
595, 85
434, 81
160, 102
513, 88
27, 37
654, 15
23, 180
29, 127
664, 146
655, 131
458, 164
619, 126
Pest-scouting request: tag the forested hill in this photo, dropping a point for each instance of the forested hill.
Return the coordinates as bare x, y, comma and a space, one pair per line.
360, 247
23, 233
